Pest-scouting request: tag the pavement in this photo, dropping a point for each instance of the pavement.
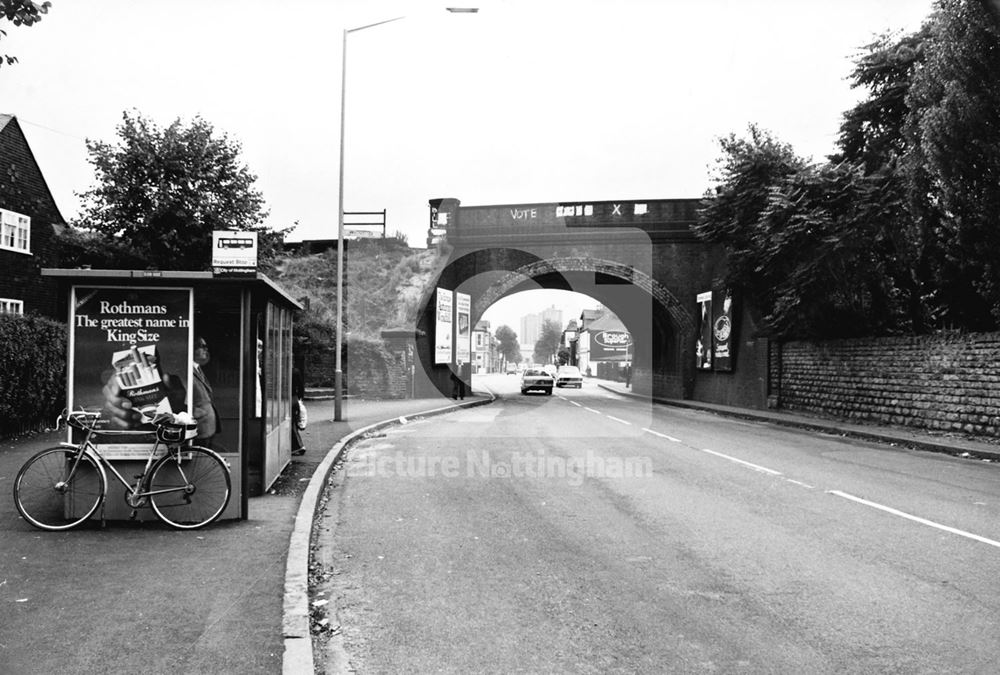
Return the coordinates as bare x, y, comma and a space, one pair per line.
233, 597
141, 597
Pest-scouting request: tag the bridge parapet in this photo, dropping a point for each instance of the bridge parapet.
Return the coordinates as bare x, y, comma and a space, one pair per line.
469, 225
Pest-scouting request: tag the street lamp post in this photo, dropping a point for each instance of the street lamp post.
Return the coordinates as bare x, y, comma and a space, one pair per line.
338, 373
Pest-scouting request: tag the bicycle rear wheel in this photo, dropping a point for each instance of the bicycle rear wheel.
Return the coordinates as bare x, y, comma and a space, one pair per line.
189, 487
54, 492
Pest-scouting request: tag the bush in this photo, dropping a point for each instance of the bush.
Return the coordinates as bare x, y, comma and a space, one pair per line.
33, 364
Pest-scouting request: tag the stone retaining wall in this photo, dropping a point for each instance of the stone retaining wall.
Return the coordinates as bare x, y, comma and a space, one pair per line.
948, 382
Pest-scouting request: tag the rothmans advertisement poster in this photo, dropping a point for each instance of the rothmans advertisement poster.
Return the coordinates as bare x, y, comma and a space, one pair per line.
463, 312
443, 326
130, 357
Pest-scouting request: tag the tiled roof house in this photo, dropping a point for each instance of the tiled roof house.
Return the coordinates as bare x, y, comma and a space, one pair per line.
29, 218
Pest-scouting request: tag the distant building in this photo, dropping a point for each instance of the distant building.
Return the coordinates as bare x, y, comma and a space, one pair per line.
602, 341
531, 327
485, 358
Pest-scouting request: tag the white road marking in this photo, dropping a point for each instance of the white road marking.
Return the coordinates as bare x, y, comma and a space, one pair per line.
798, 482
657, 433
618, 420
755, 467
592, 410
916, 519
576, 404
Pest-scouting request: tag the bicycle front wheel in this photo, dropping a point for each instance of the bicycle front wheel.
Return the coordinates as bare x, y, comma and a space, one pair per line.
54, 491
189, 488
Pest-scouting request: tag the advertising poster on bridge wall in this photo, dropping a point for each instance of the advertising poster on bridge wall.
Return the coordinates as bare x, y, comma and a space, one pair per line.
134, 345
463, 333
443, 326
703, 348
723, 334
715, 349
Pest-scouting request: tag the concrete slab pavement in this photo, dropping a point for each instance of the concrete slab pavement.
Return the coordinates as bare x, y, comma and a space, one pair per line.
141, 597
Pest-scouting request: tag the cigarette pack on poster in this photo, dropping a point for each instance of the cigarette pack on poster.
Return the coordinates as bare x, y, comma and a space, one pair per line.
138, 376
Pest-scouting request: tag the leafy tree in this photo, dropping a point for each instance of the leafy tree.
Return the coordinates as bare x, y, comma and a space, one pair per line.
563, 356
548, 342
508, 346
20, 13
873, 138
953, 160
747, 173
897, 232
827, 278
871, 133
162, 191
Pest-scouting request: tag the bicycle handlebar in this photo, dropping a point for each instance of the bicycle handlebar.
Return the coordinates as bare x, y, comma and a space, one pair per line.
167, 430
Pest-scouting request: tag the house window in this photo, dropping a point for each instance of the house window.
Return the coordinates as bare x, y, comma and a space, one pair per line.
8, 306
15, 231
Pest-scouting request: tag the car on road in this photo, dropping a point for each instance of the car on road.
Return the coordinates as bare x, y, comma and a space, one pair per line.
569, 376
536, 379
511, 369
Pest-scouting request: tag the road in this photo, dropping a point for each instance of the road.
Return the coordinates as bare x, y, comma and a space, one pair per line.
587, 532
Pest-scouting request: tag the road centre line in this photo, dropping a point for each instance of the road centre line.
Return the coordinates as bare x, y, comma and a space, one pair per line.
575, 403
618, 420
916, 519
755, 467
751, 465
657, 433
592, 410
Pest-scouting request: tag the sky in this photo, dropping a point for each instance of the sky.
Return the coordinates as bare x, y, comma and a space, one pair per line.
524, 101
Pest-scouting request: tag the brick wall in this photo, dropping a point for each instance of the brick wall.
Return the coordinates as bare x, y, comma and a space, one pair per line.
946, 382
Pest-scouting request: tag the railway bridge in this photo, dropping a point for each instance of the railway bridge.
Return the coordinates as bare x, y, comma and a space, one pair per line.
639, 258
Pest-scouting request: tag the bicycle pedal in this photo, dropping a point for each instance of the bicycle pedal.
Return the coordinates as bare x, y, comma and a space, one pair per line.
134, 515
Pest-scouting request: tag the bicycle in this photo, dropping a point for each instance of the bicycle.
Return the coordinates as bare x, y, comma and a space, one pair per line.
61, 487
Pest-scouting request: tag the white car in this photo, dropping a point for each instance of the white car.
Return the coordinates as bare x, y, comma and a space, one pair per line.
536, 379
569, 376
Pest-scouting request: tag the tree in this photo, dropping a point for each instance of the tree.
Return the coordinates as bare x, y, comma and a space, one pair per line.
20, 13
953, 160
747, 173
873, 137
548, 342
508, 346
162, 192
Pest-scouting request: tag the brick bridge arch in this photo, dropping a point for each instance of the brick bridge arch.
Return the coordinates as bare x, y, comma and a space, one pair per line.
639, 258
515, 278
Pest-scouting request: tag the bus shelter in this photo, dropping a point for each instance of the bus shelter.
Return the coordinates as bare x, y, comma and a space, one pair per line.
221, 348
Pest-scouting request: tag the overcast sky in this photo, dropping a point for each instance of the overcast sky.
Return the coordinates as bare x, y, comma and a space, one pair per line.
526, 101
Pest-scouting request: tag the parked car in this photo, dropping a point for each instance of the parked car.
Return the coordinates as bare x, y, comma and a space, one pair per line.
569, 376
536, 379
511, 369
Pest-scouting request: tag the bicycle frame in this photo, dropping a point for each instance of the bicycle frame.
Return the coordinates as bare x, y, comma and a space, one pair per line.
135, 494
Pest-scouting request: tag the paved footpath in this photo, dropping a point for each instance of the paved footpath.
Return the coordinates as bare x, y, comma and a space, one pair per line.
143, 598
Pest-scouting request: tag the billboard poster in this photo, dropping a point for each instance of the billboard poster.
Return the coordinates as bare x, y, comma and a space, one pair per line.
611, 345
703, 348
443, 326
130, 356
722, 334
463, 317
